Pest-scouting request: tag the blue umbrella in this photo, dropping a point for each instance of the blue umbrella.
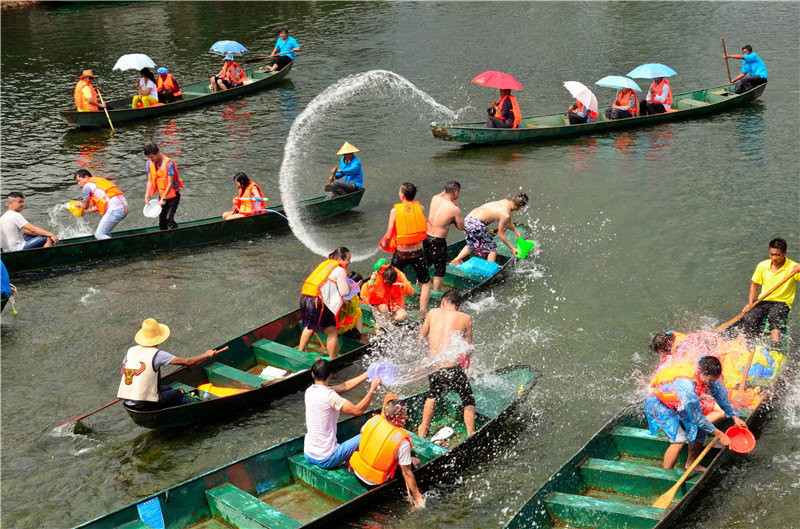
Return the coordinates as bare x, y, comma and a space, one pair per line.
618, 81
652, 70
224, 47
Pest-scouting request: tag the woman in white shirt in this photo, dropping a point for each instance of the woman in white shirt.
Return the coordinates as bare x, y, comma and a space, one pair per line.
148, 91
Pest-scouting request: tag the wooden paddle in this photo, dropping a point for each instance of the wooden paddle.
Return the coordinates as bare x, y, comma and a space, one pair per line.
80, 417
759, 300
665, 499
105, 109
725, 54
256, 59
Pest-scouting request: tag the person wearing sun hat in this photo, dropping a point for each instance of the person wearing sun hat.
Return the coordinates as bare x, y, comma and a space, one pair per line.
168, 89
141, 370
350, 169
230, 76
85, 94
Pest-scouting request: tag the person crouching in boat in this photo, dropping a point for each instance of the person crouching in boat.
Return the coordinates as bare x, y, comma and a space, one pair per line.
168, 89
230, 76
754, 71
580, 113
659, 97
323, 406
626, 105
673, 406
321, 298
386, 293
250, 200
147, 88
350, 169
384, 446
104, 197
504, 113
141, 370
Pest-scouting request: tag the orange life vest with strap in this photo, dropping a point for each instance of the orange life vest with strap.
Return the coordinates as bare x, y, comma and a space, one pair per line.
623, 98
592, 113
167, 83
313, 283
410, 223
375, 459
80, 100
667, 395
159, 178
660, 87
391, 295
514, 108
109, 188
228, 73
250, 207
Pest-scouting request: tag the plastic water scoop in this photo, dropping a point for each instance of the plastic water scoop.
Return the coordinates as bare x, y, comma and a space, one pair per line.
75, 207
152, 209
380, 263
742, 439
524, 247
384, 370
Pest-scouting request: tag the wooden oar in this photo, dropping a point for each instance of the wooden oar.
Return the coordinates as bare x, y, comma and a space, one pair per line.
725, 53
256, 59
80, 417
759, 300
665, 499
105, 109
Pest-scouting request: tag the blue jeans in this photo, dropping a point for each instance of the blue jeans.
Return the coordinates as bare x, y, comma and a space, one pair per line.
342, 454
34, 242
109, 222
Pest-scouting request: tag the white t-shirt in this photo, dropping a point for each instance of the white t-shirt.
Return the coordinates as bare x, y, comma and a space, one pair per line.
149, 87
322, 412
403, 456
11, 234
332, 296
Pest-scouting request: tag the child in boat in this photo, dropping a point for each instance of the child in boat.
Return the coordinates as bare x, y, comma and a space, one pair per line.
350, 322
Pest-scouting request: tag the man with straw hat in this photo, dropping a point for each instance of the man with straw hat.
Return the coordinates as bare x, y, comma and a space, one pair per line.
85, 94
350, 169
140, 385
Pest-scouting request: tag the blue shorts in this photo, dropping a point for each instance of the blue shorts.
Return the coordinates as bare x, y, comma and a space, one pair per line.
342, 454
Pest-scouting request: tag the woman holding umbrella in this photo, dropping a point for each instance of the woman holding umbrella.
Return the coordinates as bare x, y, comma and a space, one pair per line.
659, 97
504, 113
146, 86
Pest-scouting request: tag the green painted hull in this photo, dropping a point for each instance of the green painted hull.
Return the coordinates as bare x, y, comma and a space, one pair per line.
277, 488
614, 479
689, 105
194, 95
274, 344
129, 243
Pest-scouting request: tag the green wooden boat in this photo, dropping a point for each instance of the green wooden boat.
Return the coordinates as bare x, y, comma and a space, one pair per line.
278, 489
687, 105
194, 95
274, 345
614, 479
128, 243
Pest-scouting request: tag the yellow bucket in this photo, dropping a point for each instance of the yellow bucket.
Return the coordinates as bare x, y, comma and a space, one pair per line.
75, 208
524, 247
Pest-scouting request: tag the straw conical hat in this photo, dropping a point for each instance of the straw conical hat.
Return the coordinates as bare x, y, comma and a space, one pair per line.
347, 149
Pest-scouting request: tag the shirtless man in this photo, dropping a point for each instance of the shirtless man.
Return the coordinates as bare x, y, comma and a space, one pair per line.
440, 327
476, 227
443, 212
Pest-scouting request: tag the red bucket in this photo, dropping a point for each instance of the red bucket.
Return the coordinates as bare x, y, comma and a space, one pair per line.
742, 440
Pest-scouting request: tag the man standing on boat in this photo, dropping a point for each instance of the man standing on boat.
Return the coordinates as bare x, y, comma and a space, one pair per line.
85, 95
286, 48
350, 169
163, 180
104, 197
754, 71
442, 213
16, 233
777, 305
323, 405
476, 228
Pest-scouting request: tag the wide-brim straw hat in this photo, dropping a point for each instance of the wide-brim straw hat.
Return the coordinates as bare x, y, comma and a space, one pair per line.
152, 333
88, 73
347, 149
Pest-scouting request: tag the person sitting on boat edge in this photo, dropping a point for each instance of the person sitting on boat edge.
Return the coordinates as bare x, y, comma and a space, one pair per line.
16, 233
230, 76
350, 169
350, 320
659, 98
504, 114
287, 47
673, 406
164, 181
85, 95
626, 105
476, 228
141, 368
579, 113
386, 293
147, 88
777, 305
442, 213
385, 445
323, 406
321, 297
250, 200
754, 71
104, 197
168, 89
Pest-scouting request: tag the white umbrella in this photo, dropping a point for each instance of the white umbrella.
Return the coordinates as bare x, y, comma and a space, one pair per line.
582, 94
134, 61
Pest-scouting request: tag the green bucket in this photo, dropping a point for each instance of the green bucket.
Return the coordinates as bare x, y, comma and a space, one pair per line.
524, 247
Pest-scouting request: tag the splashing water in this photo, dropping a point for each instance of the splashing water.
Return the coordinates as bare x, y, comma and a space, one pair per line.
321, 110
65, 224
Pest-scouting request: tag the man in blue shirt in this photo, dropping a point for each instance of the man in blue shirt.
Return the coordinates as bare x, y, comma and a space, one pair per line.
754, 71
350, 169
285, 49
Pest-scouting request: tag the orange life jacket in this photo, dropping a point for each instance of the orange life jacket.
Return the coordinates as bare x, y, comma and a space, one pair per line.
592, 113
313, 283
228, 72
660, 86
250, 207
375, 458
514, 108
668, 374
391, 295
623, 99
80, 100
159, 177
410, 223
167, 83
110, 189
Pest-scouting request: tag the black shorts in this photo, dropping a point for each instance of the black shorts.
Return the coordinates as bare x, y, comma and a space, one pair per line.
281, 61
451, 378
436, 254
316, 316
228, 84
776, 311
420, 264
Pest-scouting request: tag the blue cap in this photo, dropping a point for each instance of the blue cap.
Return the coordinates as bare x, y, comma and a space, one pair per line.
229, 57
162, 70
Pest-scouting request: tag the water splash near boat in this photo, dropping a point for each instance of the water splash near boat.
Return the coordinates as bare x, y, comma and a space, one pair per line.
65, 225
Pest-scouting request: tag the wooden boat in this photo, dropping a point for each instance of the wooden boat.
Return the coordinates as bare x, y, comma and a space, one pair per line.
614, 479
274, 345
194, 95
278, 488
687, 105
128, 243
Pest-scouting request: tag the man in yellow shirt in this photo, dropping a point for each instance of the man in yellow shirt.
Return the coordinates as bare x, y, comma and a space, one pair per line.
777, 305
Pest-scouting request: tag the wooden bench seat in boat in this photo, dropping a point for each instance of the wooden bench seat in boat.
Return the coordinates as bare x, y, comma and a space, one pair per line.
229, 377
339, 483
186, 389
136, 524
639, 442
435, 294
282, 356
240, 509
425, 449
585, 511
623, 477
690, 103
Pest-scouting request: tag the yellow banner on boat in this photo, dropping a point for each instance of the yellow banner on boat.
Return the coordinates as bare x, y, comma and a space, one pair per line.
218, 391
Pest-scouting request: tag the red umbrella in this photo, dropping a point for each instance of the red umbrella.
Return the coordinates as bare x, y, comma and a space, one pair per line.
500, 80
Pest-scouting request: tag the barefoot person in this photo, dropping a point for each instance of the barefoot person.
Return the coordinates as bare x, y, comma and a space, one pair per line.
16, 233
443, 212
386, 293
249, 201
476, 227
440, 328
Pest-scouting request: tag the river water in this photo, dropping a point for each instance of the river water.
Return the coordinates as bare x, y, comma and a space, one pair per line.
640, 231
